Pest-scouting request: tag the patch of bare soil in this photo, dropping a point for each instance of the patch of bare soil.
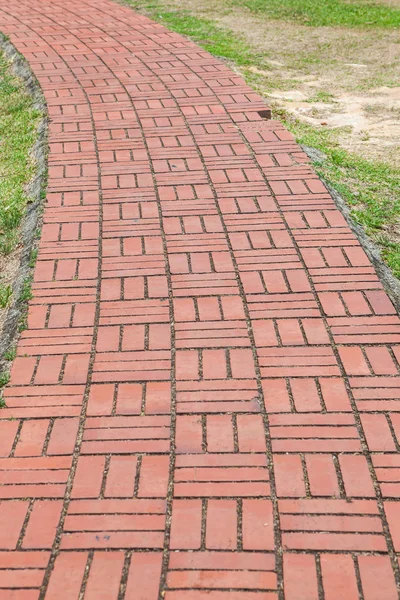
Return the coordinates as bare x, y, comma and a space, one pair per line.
371, 120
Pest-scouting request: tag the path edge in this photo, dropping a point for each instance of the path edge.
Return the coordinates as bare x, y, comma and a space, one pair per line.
32, 220
390, 283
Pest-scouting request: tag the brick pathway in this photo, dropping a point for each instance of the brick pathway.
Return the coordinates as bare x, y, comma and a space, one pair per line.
206, 403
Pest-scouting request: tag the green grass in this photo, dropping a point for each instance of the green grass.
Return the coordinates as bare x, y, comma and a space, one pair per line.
334, 13
10, 354
4, 378
33, 258
18, 127
26, 292
321, 96
5, 295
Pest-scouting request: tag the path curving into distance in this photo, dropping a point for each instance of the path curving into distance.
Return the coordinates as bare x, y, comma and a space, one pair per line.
206, 403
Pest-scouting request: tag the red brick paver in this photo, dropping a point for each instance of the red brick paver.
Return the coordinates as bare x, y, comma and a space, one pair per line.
206, 402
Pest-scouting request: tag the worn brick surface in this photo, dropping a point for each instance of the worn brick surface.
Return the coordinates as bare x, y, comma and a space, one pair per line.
206, 401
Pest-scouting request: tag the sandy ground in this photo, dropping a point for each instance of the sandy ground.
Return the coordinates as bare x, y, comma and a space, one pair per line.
372, 120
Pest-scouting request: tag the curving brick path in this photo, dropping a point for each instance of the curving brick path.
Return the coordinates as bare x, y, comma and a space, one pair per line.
206, 403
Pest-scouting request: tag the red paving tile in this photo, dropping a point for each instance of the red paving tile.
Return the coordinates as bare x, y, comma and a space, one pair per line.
206, 401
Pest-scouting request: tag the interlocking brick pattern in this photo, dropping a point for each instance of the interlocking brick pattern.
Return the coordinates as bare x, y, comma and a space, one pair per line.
206, 401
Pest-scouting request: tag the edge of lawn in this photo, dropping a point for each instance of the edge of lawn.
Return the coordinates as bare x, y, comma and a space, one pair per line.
33, 176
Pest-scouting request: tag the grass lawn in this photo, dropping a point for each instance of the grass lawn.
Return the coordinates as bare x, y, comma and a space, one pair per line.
330, 70
316, 13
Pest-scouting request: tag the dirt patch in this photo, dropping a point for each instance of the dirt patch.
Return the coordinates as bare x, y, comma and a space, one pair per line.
371, 121
395, 3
